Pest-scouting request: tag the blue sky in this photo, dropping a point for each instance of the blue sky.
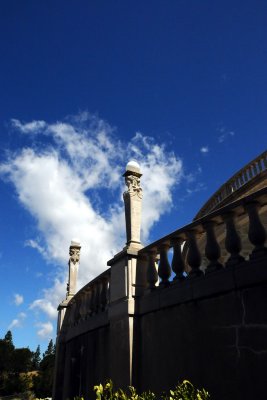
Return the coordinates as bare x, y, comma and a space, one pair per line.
181, 86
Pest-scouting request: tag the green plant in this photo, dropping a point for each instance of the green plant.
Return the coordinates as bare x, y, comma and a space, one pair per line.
183, 391
186, 391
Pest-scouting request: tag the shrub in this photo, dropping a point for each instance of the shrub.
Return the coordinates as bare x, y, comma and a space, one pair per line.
183, 391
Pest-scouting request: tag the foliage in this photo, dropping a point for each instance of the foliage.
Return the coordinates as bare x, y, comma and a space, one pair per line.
183, 391
36, 359
43, 382
186, 391
9, 338
16, 365
17, 383
22, 360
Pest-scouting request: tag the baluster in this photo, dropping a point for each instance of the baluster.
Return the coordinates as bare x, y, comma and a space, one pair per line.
249, 172
89, 302
178, 265
256, 232
241, 179
72, 313
259, 165
98, 296
254, 166
93, 299
83, 307
232, 241
212, 249
77, 311
265, 162
104, 292
227, 189
108, 290
193, 255
152, 273
164, 270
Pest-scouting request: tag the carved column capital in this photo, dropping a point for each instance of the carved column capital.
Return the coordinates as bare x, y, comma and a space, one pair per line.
74, 260
133, 204
74, 253
133, 182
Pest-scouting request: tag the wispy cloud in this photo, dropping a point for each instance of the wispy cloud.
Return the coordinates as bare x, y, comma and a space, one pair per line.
58, 180
204, 149
35, 245
17, 322
18, 299
224, 134
45, 330
30, 127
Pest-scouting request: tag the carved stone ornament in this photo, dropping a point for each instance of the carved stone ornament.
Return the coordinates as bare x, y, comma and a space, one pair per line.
74, 255
134, 187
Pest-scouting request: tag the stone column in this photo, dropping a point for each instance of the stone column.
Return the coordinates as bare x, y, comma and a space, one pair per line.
133, 204
128, 281
74, 259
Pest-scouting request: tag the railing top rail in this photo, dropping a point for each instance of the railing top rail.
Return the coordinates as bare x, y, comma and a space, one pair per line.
221, 193
260, 195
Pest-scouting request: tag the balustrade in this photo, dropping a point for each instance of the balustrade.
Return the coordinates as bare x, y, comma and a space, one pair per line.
89, 301
203, 247
241, 178
200, 241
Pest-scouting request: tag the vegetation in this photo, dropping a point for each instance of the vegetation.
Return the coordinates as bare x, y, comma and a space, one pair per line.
183, 391
24, 371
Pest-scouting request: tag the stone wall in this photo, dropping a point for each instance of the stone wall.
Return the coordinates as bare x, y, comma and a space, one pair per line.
216, 340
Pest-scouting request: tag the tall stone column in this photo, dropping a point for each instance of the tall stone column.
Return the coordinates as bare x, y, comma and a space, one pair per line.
74, 260
128, 281
133, 204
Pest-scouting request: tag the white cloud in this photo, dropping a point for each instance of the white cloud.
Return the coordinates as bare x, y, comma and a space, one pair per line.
46, 306
58, 181
30, 127
17, 322
46, 330
35, 245
18, 299
204, 149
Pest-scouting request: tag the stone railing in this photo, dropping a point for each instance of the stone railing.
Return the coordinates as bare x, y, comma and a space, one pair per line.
238, 181
185, 243
91, 300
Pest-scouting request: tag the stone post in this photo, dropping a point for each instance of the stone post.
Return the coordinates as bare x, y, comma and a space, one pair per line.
133, 204
74, 259
128, 281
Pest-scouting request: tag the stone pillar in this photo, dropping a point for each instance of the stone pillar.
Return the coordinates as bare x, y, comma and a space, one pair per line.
74, 262
133, 204
128, 281
74, 259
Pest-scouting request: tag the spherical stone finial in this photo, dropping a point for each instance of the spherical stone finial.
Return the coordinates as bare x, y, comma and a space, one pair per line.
133, 166
75, 242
